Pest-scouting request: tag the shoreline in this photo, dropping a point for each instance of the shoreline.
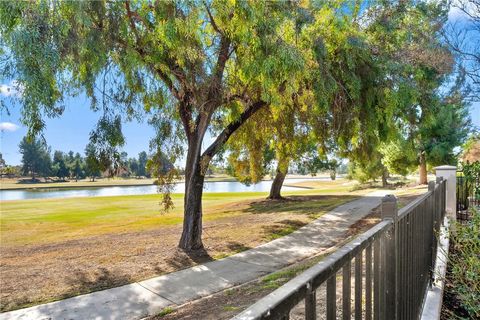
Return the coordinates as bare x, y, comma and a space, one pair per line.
127, 183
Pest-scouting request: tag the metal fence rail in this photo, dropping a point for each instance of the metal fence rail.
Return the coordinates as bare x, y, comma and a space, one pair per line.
390, 266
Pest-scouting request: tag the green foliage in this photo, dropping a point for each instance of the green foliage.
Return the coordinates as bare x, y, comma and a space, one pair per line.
93, 166
445, 127
159, 166
59, 167
142, 164
35, 157
464, 261
398, 156
364, 171
165, 311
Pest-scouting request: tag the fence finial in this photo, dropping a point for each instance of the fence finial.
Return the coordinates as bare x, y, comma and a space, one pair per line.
389, 207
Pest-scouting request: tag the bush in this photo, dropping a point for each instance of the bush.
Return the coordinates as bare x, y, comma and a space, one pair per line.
464, 266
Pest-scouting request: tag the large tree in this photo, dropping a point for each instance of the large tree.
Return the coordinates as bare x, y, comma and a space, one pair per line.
187, 62
340, 105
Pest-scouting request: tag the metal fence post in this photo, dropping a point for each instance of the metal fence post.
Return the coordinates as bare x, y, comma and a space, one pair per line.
449, 173
435, 212
389, 261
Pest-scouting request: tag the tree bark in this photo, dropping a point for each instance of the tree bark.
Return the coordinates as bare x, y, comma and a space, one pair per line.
276, 188
423, 169
384, 178
192, 223
191, 238
333, 174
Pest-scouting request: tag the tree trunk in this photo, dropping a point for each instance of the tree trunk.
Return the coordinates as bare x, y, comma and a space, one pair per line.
423, 169
191, 238
384, 178
192, 222
196, 167
333, 174
275, 190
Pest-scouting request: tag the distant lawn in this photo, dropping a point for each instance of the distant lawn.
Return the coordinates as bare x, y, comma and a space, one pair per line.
26, 183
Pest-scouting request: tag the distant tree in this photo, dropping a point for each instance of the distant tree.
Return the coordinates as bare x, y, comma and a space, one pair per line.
59, 167
11, 171
77, 167
35, 158
92, 164
70, 163
133, 166
2, 162
142, 164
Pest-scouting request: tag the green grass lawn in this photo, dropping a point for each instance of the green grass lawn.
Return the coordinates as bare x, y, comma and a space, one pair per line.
48, 220
42, 221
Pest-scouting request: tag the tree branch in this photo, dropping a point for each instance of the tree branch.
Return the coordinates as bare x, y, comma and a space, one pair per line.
212, 21
230, 129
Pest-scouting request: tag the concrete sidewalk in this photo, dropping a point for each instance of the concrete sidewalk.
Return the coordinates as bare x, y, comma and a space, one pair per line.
149, 297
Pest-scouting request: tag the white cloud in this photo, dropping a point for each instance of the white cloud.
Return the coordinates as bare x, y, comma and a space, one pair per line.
8, 126
11, 89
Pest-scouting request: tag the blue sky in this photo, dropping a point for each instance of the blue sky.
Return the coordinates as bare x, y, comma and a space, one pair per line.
71, 131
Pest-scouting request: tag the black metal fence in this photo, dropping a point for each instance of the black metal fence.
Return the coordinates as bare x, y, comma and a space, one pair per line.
384, 272
468, 194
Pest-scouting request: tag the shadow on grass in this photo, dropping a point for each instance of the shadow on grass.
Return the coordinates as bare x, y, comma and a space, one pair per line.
180, 259
282, 228
237, 247
81, 282
127, 303
310, 204
38, 181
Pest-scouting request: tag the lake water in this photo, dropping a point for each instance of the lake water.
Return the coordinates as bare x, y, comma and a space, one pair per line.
233, 186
